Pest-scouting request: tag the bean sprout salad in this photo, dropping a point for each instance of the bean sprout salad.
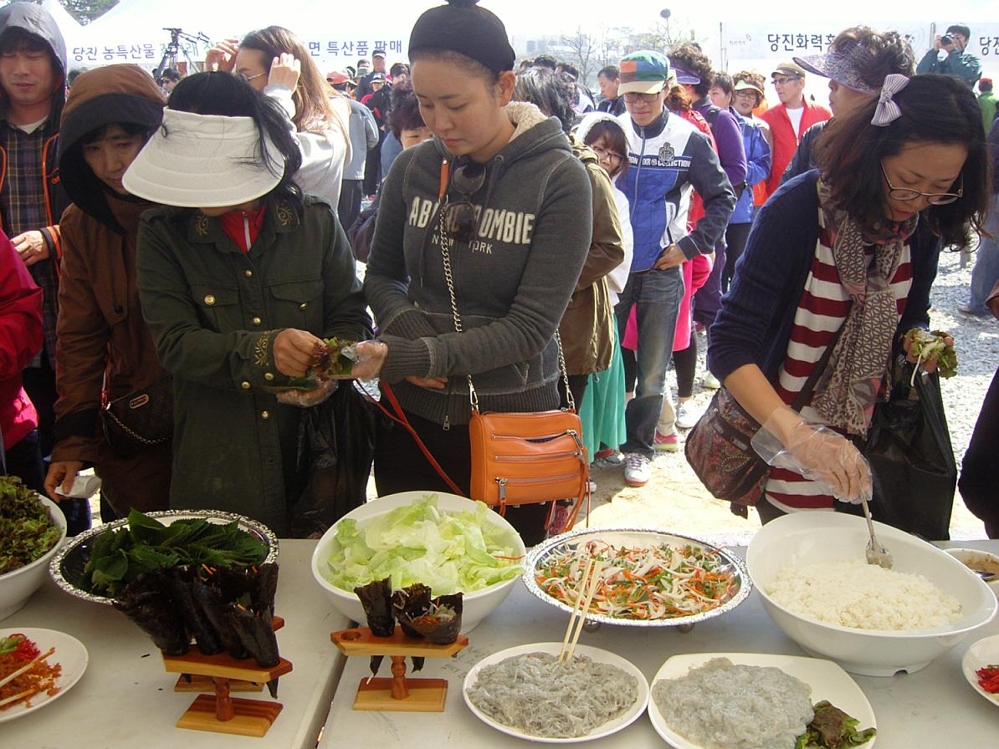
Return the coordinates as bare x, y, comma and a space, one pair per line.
655, 582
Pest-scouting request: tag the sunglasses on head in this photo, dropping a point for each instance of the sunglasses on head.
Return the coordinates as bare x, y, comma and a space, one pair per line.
460, 221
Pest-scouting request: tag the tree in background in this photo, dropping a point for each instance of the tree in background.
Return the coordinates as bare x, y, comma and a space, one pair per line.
86, 11
83, 11
583, 52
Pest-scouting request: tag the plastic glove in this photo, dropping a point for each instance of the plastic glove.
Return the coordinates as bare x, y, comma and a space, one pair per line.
370, 356
816, 452
308, 398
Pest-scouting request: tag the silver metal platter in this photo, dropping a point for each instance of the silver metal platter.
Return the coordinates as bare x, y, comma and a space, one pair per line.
635, 538
66, 567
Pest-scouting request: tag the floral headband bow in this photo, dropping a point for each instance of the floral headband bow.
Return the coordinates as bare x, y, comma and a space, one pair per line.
887, 110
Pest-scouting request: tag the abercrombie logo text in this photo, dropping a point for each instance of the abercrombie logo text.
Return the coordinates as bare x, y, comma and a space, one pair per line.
496, 225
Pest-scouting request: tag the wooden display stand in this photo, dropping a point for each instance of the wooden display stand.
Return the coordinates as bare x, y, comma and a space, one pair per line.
219, 712
397, 694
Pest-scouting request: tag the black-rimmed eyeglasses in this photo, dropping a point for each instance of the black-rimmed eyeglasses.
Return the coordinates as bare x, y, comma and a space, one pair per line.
603, 154
460, 220
933, 198
631, 97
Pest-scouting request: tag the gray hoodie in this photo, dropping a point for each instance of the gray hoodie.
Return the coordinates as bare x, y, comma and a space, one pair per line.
512, 282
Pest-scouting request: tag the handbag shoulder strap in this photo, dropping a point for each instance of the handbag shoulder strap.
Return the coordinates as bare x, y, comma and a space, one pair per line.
399, 417
813, 377
445, 243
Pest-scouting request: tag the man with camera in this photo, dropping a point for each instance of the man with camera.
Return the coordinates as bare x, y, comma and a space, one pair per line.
949, 57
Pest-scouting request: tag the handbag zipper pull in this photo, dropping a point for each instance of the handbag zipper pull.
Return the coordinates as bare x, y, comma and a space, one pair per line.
502, 490
446, 426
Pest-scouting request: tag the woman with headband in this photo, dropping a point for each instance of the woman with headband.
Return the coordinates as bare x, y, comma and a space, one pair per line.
830, 274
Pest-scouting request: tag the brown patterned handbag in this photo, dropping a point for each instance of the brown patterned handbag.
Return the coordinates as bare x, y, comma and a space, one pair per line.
718, 449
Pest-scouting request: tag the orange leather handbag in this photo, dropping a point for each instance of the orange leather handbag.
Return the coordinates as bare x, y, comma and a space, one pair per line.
521, 458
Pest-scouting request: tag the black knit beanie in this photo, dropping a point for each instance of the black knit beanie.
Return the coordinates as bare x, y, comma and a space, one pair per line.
462, 26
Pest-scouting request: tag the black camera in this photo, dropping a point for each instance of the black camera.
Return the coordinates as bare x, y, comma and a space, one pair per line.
946, 39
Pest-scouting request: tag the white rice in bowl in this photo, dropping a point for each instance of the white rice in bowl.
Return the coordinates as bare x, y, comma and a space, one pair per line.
852, 593
724, 706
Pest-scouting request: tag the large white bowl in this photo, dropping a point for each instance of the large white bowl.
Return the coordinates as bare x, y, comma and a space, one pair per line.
816, 537
476, 606
17, 586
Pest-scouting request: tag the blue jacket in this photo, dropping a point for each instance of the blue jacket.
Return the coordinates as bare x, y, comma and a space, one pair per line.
668, 159
758, 160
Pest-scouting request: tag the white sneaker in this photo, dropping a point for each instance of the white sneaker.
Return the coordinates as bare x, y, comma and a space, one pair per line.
688, 414
637, 469
710, 381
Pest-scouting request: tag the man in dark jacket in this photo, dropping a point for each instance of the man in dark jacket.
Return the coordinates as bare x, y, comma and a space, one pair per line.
956, 61
32, 94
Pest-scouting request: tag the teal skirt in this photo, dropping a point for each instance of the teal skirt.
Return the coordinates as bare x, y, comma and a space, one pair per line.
602, 409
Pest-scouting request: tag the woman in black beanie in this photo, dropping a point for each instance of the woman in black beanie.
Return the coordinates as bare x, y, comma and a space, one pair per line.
498, 184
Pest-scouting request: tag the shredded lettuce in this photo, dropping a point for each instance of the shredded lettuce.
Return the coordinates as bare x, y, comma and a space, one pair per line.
420, 543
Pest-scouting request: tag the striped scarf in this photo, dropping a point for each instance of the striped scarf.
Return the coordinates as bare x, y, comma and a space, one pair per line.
846, 391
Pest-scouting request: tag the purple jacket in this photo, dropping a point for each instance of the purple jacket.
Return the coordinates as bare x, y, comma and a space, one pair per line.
728, 138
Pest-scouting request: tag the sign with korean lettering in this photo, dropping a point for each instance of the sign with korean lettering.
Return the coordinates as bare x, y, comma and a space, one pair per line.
783, 40
328, 50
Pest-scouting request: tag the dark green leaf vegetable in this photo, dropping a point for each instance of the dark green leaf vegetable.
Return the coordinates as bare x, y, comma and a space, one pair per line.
146, 544
328, 362
832, 728
331, 361
27, 531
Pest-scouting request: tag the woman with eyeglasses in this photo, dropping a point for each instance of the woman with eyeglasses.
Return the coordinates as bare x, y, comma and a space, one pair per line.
829, 272
585, 329
240, 279
602, 406
499, 189
275, 61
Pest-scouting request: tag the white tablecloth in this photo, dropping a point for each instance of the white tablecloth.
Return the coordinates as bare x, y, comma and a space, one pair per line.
932, 708
125, 700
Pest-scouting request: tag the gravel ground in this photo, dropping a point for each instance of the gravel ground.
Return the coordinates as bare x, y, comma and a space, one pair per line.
676, 500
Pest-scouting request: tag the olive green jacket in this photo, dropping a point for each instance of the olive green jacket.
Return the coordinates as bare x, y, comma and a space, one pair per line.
214, 313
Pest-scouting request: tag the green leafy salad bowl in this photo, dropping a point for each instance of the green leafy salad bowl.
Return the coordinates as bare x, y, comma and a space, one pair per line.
94, 564
446, 542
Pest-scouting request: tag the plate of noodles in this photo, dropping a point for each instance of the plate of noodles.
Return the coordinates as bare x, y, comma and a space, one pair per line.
648, 578
758, 698
48, 679
525, 692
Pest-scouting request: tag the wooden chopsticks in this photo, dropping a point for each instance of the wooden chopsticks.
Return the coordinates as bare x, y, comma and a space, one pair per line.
584, 596
27, 667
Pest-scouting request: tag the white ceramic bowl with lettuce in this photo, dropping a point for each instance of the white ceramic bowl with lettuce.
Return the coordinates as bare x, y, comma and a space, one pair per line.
452, 544
18, 585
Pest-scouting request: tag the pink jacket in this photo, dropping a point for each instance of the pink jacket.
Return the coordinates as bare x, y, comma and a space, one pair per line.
20, 340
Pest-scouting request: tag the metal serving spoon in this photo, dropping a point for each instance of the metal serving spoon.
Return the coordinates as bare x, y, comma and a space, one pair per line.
876, 553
